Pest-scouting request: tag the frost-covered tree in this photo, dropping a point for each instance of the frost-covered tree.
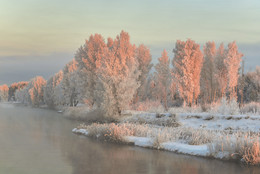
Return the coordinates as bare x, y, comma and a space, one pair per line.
4, 93
163, 78
118, 76
35, 90
208, 73
22, 95
221, 71
89, 61
50, 90
144, 59
32, 94
13, 87
232, 63
187, 64
68, 84
251, 89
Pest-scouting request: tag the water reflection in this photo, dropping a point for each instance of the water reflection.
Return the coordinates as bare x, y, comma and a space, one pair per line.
41, 141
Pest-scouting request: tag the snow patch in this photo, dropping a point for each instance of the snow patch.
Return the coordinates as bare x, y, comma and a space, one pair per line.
198, 150
80, 131
139, 141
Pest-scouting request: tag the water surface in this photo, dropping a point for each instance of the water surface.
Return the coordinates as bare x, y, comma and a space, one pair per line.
40, 141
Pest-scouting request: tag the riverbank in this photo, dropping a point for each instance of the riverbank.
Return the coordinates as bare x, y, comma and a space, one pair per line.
227, 137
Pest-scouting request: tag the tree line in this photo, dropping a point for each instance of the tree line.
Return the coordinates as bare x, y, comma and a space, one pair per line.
115, 74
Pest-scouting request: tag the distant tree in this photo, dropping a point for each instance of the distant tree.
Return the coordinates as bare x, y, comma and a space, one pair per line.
221, 71
32, 94
68, 84
13, 87
35, 90
50, 94
144, 59
251, 88
233, 63
187, 65
4, 93
208, 73
163, 78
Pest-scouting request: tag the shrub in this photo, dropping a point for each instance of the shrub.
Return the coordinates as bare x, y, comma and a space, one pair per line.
225, 107
149, 106
84, 113
251, 108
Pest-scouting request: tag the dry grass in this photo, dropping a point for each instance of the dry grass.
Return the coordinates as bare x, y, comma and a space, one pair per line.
238, 145
86, 114
116, 132
149, 106
155, 119
251, 108
251, 153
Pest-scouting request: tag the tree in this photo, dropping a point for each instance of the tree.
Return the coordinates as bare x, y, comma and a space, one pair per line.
163, 78
221, 71
144, 59
4, 93
89, 59
69, 86
251, 88
233, 63
118, 76
50, 94
35, 90
32, 94
187, 65
208, 73
13, 87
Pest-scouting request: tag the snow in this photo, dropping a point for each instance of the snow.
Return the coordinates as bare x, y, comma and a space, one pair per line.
206, 121
198, 150
80, 131
139, 141
221, 122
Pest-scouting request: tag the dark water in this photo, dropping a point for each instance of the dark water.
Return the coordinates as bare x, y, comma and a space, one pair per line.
38, 141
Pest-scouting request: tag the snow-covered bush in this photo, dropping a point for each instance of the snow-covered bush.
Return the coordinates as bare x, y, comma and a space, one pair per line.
149, 106
168, 120
251, 108
225, 107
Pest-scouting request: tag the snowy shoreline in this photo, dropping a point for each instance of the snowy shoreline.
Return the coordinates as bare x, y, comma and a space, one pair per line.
230, 137
178, 147
198, 150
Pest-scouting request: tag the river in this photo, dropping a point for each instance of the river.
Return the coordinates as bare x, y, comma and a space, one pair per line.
40, 141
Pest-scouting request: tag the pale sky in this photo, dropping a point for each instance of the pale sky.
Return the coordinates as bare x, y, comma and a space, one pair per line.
38, 37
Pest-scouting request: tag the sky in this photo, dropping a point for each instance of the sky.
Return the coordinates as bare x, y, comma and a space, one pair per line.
38, 37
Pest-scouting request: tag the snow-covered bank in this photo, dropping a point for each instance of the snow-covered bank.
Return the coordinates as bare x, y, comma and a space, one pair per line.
198, 150
199, 142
